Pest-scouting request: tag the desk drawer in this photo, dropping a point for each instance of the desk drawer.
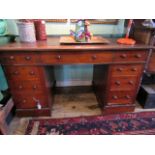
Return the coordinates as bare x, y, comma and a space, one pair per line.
25, 86
119, 70
123, 83
130, 56
120, 97
30, 101
76, 57
22, 73
20, 58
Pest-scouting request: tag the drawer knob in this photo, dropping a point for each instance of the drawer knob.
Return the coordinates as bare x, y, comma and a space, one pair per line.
31, 73
94, 57
20, 87
120, 69
127, 97
115, 97
12, 57
27, 58
24, 101
138, 56
58, 57
131, 82
123, 56
15, 73
117, 83
34, 87
134, 69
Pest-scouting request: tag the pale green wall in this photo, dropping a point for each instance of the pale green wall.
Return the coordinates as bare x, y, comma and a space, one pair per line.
97, 29
64, 28
69, 75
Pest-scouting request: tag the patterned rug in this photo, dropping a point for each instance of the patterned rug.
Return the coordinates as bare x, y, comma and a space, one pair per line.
130, 123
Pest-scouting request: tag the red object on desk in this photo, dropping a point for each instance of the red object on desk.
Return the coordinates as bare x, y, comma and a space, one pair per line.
40, 29
127, 40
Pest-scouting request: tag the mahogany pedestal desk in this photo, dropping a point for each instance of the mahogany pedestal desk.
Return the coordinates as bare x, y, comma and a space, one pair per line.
116, 79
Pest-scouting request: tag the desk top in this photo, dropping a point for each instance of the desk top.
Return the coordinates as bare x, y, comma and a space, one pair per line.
52, 44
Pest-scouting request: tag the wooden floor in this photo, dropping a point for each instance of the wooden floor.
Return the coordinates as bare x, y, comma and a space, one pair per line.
66, 105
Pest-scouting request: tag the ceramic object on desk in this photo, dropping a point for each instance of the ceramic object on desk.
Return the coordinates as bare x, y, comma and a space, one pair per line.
40, 29
3, 27
81, 33
26, 32
5, 37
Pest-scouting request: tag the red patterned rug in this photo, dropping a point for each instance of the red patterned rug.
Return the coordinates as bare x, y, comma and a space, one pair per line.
130, 123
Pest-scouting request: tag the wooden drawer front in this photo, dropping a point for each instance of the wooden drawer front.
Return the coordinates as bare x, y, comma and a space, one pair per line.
33, 86
135, 56
123, 83
22, 73
118, 70
28, 101
76, 57
120, 97
20, 58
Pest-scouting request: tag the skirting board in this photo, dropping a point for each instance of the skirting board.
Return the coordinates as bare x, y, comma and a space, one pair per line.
73, 83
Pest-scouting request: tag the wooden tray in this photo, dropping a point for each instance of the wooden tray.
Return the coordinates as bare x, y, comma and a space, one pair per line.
69, 40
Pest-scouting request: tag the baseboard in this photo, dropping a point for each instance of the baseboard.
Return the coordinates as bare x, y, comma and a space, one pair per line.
73, 83
73, 90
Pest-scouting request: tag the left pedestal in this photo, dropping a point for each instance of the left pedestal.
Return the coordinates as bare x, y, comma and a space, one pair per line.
28, 84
